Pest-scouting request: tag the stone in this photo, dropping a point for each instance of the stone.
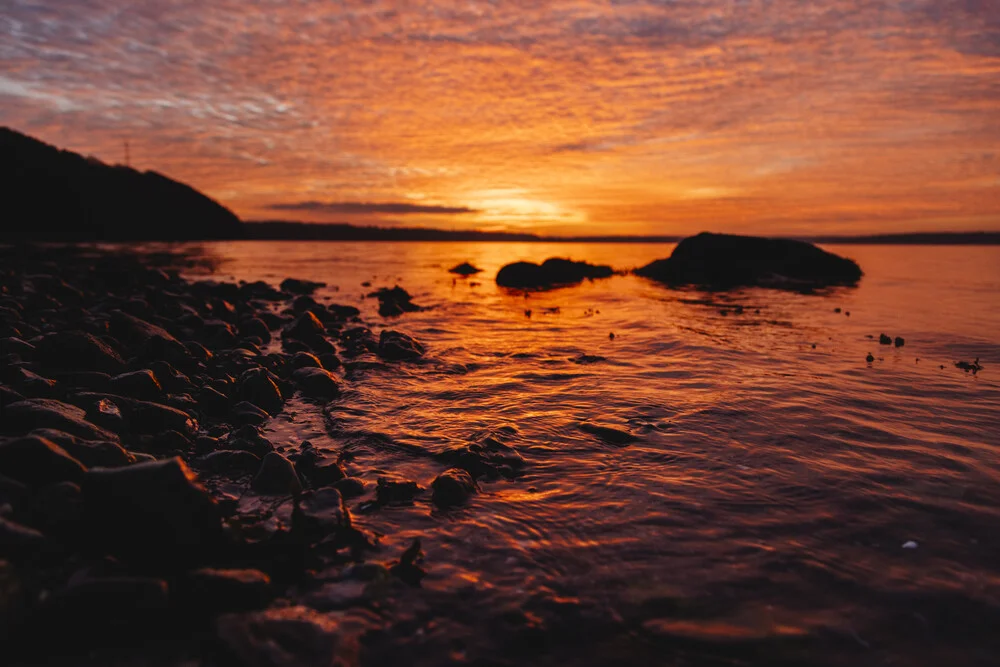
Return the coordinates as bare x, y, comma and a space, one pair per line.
464, 269
226, 461
152, 341
35, 461
725, 260
14, 345
212, 590
320, 513
397, 346
884, 339
351, 487
32, 383
33, 413
255, 326
488, 457
899, 341
137, 384
305, 360
97, 603
19, 541
553, 272
452, 487
146, 417
212, 402
276, 477
306, 328
287, 637
57, 508
155, 511
77, 351
608, 434
91, 453
407, 568
258, 387
296, 286
330, 361
396, 491
245, 412
394, 301
249, 439
316, 382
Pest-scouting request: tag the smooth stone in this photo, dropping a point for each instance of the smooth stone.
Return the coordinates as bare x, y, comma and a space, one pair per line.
211, 590
305, 360
20, 541
77, 351
276, 477
320, 470
320, 513
394, 301
255, 326
553, 272
258, 387
153, 340
609, 434
286, 637
228, 461
153, 511
57, 508
32, 383
351, 487
452, 487
91, 453
36, 461
245, 412
96, 603
306, 328
33, 413
489, 457
146, 417
464, 269
396, 491
137, 384
884, 339
899, 341
212, 402
330, 361
296, 286
248, 438
397, 346
316, 382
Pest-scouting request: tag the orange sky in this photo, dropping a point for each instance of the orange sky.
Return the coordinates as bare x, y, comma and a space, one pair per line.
575, 117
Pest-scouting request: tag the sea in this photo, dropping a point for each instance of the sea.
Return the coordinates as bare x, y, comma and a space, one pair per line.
755, 492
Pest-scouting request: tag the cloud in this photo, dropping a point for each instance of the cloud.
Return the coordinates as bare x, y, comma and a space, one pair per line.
355, 208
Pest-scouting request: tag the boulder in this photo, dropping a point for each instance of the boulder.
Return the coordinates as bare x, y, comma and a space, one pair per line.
553, 272
316, 382
152, 511
397, 346
452, 487
488, 457
144, 417
725, 260
276, 477
248, 438
306, 328
107, 604
395, 301
34, 413
296, 286
137, 384
91, 453
286, 637
211, 590
464, 269
77, 351
320, 513
258, 387
396, 491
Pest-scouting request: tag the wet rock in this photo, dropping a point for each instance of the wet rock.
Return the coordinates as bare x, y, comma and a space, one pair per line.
397, 346
14, 345
609, 434
966, 366
408, 567
77, 351
8, 396
170, 378
212, 402
19, 541
725, 260
296, 286
155, 511
339, 312
899, 341
552, 272
330, 361
337, 595
245, 412
36, 461
286, 637
394, 301
31, 383
147, 339
139, 384
306, 328
57, 508
351, 487
396, 491
255, 326
276, 477
198, 351
358, 340
247, 438
870, 358
452, 487
258, 387
316, 383
489, 457
144, 417
320, 513
91, 453
464, 269
228, 461
305, 360
211, 590
884, 339
94, 604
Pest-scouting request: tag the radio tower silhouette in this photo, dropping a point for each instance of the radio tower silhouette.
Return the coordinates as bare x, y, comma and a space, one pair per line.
128, 157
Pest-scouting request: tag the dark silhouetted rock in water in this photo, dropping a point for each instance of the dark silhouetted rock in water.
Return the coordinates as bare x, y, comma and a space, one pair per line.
36, 461
452, 487
277, 477
725, 260
286, 637
884, 339
608, 434
56, 195
296, 286
550, 273
899, 341
398, 346
464, 269
395, 301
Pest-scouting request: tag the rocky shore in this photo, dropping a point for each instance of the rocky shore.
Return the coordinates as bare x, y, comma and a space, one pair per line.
140, 503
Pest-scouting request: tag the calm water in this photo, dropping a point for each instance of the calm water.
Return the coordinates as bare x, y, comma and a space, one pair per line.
760, 516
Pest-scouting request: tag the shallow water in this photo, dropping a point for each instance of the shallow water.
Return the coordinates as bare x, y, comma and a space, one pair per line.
760, 514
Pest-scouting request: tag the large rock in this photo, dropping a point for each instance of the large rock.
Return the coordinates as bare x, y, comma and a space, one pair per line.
152, 511
316, 382
552, 272
395, 301
452, 487
137, 384
464, 269
724, 260
397, 346
287, 637
320, 513
153, 341
258, 387
144, 416
277, 477
296, 286
91, 453
209, 590
488, 457
35, 413
77, 351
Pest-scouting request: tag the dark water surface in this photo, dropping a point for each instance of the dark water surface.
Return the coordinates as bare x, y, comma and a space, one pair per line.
760, 513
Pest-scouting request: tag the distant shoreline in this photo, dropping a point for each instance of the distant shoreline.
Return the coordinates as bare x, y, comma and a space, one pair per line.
302, 231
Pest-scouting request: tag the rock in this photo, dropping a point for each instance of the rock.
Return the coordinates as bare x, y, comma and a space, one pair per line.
464, 269
899, 341
397, 346
358, 340
296, 286
36, 461
258, 387
276, 477
870, 358
247, 438
452, 487
57, 508
212, 402
337, 595
407, 568
330, 361
320, 513
77, 351
286, 637
169, 377
211, 590
34, 413
8, 396
306, 328
20, 541
395, 301
608, 434
724, 260
966, 366
91, 453
245, 412
255, 326
396, 491
552, 272
31, 383
94, 604
490, 457
137, 384
227, 461
351, 487
153, 511
152, 341
339, 312
305, 360
14, 345
145, 417
884, 339
316, 382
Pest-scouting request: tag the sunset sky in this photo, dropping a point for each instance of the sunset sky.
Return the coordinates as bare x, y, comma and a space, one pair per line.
563, 117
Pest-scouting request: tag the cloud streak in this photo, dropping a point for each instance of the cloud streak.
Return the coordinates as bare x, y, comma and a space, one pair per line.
368, 208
